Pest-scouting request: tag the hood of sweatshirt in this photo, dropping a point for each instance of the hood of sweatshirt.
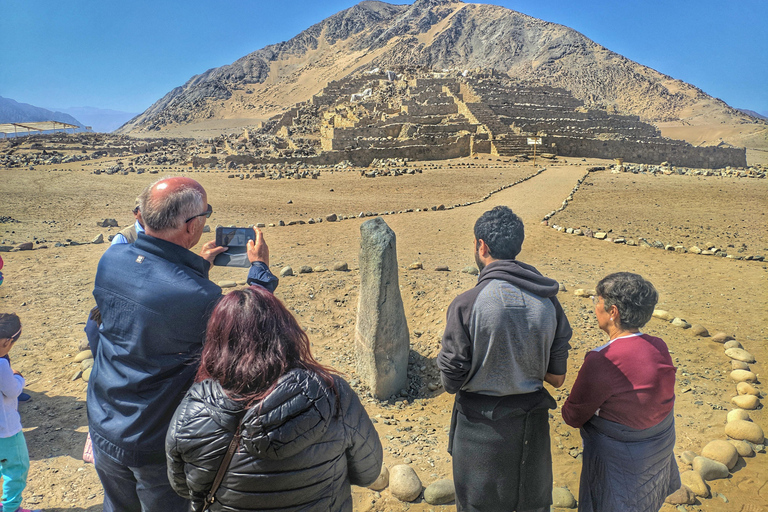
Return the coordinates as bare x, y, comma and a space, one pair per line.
522, 275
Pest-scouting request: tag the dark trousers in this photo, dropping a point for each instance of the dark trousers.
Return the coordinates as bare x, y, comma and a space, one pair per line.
501, 452
140, 489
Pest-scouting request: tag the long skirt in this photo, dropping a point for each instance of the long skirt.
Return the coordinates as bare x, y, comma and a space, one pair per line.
627, 469
502, 459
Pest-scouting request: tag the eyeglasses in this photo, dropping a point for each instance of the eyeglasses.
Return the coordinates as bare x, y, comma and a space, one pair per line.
207, 214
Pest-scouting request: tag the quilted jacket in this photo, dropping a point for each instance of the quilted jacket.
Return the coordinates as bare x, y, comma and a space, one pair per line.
301, 448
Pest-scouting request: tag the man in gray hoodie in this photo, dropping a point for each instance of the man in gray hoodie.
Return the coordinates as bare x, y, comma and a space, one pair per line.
503, 339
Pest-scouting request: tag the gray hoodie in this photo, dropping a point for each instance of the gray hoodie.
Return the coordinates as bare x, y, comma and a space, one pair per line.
505, 334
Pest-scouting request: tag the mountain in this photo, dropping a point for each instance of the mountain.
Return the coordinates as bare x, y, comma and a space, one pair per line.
754, 114
100, 119
445, 34
12, 111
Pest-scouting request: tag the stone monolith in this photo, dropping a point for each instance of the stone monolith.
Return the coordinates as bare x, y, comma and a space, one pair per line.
381, 337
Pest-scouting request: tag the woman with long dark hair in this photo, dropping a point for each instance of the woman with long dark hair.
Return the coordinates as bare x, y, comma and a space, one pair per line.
305, 436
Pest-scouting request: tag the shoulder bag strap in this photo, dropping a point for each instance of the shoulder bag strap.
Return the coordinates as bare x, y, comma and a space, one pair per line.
223, 467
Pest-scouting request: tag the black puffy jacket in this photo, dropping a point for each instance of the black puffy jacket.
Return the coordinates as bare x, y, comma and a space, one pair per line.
301, 448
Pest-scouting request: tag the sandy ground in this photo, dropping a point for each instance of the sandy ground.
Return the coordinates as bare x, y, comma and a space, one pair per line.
51, 290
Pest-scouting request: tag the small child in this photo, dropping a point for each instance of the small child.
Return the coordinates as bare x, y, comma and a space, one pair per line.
14, 457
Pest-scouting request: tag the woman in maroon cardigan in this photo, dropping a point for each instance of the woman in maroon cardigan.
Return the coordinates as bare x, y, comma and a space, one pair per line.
623, 401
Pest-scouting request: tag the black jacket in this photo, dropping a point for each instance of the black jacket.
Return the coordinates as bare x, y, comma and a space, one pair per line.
301, 447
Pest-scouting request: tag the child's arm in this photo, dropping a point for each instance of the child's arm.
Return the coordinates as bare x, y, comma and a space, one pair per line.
11, 383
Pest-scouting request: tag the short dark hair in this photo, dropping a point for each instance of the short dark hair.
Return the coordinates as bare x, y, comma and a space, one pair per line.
170, 211
633, 296
502, 231
10, 324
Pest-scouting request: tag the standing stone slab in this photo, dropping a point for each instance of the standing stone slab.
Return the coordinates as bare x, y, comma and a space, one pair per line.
381, 337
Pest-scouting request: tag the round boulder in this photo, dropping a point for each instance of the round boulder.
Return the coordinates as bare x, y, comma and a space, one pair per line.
742, 430
710, 469
745, 388
721, 451
87, 374
694, 482
416, 265
687, 457
739, 354
82, 356
721, 337
699, 330
286, 271
404, 483
382, 481
743, 447
749, 402
227, 284
731, 344
682, 496
739, 365
471, 270
663, 315
679, 322
340, 266
562, 497
737, 414
440, 492
743, 376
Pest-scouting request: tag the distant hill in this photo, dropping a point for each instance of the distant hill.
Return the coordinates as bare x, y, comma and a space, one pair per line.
753, 114
12, 111
442, 34
99, 119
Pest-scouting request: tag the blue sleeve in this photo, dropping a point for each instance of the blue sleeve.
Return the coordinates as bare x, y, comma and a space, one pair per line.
119, 239
260, 274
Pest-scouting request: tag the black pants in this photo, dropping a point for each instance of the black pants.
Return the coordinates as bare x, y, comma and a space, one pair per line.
502, 459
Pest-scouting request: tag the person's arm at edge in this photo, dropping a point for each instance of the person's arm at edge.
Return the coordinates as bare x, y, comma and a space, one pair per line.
558, 355
591, 389
455, 357
258, 254
119, 239
365, 454
11, 382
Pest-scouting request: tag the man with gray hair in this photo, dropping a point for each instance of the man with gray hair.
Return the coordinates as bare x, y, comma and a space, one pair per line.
155, 299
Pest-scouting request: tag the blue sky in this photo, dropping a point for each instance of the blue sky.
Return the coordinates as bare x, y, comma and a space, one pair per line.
127, 55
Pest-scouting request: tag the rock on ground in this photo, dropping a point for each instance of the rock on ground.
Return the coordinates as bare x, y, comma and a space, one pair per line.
721, 337
744, 431
743, 376
694, 482
710, 469
440, 492
562, 497
404, 483
749, 402
382, 481
737, 414
722, 452
682, 496
382, 341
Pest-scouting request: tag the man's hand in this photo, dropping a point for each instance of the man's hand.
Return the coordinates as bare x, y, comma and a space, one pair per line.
258, 250
210, 250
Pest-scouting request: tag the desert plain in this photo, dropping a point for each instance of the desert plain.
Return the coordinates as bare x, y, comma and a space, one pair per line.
50, 288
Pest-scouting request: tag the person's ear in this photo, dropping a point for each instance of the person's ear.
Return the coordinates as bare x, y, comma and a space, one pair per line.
482, 248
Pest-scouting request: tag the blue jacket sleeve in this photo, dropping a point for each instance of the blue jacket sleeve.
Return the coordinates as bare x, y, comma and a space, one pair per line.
259, 274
